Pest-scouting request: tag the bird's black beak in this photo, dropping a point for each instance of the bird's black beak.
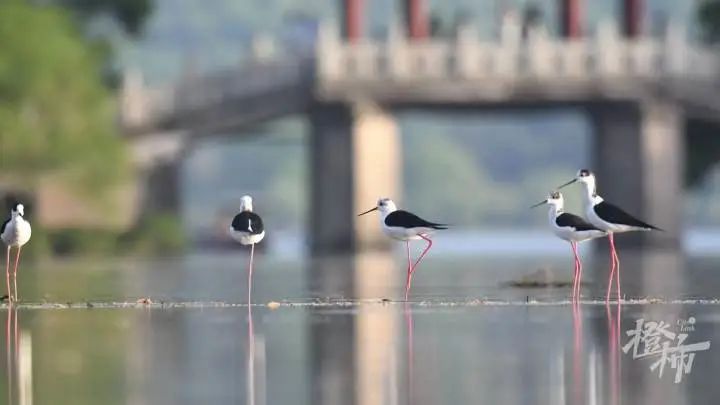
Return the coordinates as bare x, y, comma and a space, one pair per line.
539, 204
568, 183
368, 211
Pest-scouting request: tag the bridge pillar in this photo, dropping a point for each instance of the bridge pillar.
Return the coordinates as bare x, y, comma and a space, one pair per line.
158, 160
355, 159
632, 16
416, 19
352, 11
570, 18
639, 160
161, 193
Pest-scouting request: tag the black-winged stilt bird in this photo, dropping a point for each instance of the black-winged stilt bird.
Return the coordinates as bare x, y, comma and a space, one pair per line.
607, 217
15, 232
405, 226
247, 228
571, 228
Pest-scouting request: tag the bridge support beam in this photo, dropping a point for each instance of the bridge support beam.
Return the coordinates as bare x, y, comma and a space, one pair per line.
355, 158
639, 159
161, 192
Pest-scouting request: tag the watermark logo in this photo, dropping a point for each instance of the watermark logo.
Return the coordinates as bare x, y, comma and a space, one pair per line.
666, 343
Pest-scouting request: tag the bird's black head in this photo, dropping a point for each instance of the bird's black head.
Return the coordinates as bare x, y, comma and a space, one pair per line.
18, 209
584, 173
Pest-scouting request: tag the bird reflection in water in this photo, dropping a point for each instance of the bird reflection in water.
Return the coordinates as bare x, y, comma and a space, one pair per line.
578, 374
613, 320
255, 366
410, 353
19, 360
10, 350
250, 374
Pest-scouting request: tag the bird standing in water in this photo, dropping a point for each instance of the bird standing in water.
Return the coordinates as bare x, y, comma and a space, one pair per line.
15, 232
247, 229
609, 218
405, 226
571, 228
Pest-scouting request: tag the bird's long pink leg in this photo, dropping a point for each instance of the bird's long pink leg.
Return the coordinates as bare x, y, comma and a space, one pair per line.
574, 271
414, 266
17, 261
429, 241
576, 281
7, 274
409, 270
612, 269
617, 276
579, 273
250, 270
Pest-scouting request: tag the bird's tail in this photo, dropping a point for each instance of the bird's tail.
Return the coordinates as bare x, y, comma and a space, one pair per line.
649, 227
440, 226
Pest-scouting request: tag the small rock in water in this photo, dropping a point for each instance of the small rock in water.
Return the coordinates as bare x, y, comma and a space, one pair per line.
273, 305
146, 301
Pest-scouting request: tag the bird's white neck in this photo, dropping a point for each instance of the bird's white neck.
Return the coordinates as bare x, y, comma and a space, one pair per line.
385, 211
554, 211
590, 196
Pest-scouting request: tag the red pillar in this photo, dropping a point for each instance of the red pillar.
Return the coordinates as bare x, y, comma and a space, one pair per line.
632, 16
570, 18
352, 15
416, 19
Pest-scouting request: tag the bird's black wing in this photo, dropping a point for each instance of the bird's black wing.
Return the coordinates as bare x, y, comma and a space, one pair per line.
2, 227
574, 221
247, 221
613, 214
404, 219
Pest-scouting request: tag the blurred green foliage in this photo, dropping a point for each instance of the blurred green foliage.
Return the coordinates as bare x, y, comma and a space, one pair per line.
159, 234
56, 116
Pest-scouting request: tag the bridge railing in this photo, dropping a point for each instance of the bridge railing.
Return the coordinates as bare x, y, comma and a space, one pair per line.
512, 57
144, 106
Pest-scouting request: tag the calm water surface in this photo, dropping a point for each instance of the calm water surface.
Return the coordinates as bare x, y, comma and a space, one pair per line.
445, 347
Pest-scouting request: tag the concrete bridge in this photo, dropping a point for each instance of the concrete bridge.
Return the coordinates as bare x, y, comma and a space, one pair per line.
639, 92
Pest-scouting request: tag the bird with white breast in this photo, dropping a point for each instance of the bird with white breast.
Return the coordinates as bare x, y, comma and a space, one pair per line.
15, 233
405, 226
608, 217
247, 228
571, 228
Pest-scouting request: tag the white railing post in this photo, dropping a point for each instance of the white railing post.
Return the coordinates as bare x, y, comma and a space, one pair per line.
397, 52
608, 51
540, 53
467, 52
506, 57
328, 51
675, 52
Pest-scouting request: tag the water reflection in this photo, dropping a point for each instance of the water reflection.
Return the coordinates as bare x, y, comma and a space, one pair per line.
255, 388
410, 353
578, 377
378, 352
19, 363
612, 312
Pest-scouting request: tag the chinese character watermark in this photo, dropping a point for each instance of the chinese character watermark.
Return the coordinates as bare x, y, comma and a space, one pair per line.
650, 338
